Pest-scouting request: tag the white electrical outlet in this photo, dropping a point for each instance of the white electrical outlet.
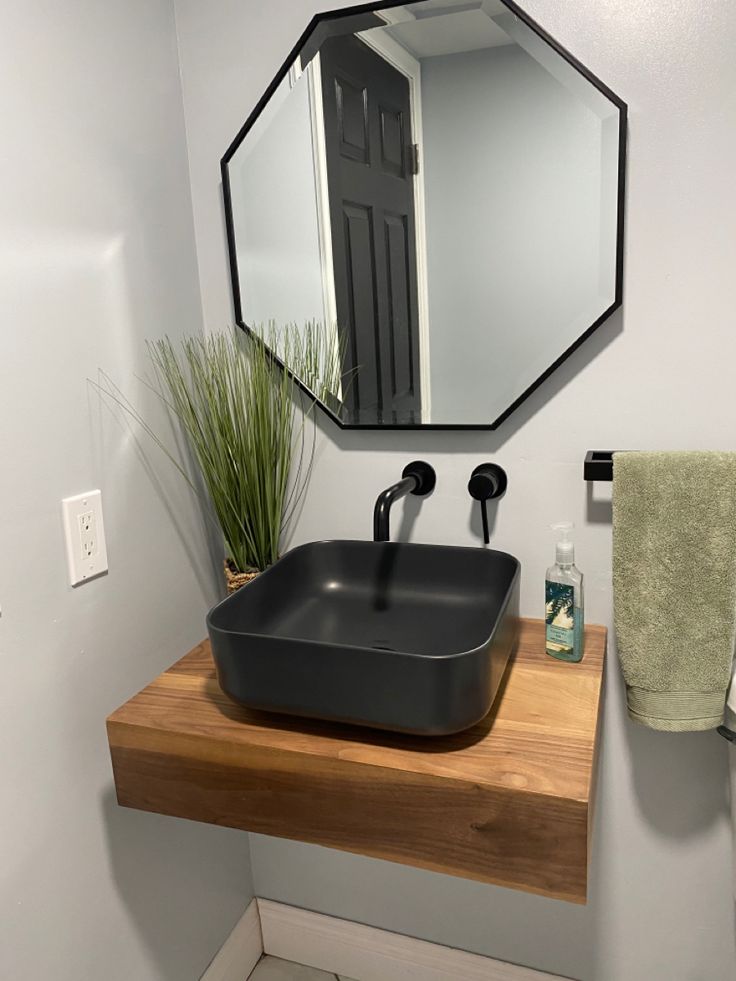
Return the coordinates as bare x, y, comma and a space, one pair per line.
84, 529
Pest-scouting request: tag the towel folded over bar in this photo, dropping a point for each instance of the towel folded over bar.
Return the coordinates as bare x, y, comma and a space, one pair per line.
674, 584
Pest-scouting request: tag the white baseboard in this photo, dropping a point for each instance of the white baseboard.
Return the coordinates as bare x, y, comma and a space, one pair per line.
368, 954
241, 951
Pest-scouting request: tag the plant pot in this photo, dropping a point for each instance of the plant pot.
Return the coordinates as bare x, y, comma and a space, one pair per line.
235, 579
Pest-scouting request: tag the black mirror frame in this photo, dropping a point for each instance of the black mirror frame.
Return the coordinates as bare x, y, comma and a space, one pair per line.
316, 25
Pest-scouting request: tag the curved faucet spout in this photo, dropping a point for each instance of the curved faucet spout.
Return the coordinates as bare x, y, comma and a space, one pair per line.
418, 478
383, 506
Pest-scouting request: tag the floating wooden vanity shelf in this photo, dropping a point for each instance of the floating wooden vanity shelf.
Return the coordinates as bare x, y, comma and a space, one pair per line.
508, 802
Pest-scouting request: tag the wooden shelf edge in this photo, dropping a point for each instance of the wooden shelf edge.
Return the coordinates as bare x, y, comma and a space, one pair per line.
470, 808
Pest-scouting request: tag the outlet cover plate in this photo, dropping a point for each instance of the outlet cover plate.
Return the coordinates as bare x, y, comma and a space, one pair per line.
84, 530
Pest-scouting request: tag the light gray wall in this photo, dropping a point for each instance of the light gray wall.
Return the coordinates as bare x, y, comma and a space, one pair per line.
659, 374
511, 161
96, 254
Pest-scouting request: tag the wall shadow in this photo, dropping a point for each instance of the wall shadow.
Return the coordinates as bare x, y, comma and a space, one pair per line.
412, 505
112, 404
184, 885
598, 511
678, 789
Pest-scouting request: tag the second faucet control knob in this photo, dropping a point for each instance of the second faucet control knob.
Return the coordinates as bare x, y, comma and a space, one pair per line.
487, 482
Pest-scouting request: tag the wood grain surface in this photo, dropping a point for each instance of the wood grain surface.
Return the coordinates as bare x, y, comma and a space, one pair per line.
508, 801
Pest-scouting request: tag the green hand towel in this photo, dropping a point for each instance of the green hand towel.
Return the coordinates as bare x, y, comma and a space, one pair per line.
674, 584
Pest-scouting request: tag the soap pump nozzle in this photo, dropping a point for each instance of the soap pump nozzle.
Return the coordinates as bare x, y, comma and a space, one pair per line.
565, 549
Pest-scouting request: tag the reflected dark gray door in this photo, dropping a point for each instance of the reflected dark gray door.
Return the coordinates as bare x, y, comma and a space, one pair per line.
369, 171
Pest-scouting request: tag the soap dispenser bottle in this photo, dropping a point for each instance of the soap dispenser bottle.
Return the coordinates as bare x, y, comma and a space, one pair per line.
564, 601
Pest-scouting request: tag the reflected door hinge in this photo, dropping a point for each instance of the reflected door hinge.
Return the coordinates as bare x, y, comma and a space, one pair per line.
413, 158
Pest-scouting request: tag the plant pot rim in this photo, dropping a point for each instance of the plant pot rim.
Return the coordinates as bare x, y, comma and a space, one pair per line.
235, 579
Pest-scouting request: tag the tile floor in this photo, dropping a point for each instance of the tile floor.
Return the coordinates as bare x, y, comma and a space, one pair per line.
274, 969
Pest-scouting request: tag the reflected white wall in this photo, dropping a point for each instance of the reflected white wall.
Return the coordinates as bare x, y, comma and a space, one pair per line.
275, 213
512, 182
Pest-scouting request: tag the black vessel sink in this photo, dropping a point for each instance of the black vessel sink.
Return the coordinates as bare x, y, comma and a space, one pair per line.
411, 638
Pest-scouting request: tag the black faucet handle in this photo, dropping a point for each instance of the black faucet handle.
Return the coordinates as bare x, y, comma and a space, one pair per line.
487, 482
424, 475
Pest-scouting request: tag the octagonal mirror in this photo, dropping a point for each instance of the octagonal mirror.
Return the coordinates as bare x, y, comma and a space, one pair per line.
432, 193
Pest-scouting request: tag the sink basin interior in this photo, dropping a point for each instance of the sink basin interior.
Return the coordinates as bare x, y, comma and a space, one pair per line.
415, 599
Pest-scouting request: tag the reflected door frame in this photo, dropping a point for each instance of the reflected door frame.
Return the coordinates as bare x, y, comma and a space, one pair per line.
403, 62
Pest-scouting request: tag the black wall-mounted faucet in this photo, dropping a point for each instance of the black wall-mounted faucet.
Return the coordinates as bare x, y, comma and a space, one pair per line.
487, 482
417, 478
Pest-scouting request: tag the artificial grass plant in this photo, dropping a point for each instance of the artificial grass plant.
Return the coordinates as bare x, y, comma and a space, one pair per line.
244, 420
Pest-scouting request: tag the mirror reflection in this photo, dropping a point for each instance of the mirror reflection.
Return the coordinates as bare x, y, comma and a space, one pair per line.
432, 192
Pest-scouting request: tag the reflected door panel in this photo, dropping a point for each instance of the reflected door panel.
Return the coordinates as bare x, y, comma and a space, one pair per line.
367, 124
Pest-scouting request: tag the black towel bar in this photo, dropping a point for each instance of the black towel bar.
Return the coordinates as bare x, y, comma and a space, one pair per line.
598, 465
